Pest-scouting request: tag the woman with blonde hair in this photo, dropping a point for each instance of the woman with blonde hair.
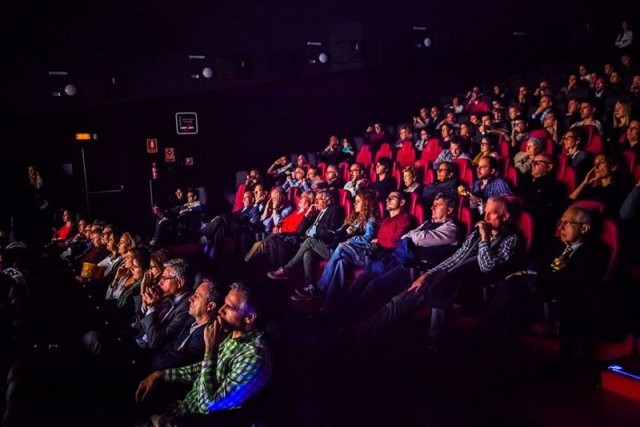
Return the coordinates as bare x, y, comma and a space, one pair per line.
620, 121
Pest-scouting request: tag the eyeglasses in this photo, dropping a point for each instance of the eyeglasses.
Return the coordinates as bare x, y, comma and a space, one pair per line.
393, 197
538, 162
354, 170
566, 223
166, 278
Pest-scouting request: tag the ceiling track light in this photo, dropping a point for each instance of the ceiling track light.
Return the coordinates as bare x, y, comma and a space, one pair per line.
58, 73
199, 57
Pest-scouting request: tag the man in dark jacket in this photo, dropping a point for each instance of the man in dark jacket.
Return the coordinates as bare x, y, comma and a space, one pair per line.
320, 237
188, 347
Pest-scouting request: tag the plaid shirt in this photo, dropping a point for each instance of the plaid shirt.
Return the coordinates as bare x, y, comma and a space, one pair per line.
488, 257
242, 368
495, 187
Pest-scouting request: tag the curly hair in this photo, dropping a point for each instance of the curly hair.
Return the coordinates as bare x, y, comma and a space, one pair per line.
369, 210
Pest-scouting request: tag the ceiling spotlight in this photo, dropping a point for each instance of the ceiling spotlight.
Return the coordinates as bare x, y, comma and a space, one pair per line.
427, 42
70, 90
207, 72
323, 58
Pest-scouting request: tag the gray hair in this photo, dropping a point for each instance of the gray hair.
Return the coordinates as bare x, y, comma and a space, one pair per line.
178, 266
537, 142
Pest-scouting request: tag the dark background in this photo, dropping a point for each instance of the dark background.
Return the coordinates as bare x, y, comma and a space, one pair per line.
130, 65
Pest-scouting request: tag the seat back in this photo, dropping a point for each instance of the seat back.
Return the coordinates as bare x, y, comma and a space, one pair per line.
569, 179
610, 236
463, 165
364, 156
466, 218
592, 205
512, 176
630, 159
406, 155
419, 213
525, 225
431, 150
384, 151
237, 204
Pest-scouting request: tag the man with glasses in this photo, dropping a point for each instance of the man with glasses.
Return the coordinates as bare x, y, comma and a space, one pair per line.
487, 254
356, 179
569, 272
162, 310
543, 196
320, 237
445, 183
580, 160
236, 366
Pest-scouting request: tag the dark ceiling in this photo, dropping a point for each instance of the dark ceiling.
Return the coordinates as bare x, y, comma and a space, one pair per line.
121, 51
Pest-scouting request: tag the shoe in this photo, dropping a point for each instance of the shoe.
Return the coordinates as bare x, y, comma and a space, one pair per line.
305, 294
278, 274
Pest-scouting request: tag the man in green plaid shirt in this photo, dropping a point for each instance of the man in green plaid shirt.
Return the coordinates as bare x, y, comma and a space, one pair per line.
228, 377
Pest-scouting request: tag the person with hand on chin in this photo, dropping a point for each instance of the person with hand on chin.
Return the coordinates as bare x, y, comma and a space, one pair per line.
236, 365
486, 254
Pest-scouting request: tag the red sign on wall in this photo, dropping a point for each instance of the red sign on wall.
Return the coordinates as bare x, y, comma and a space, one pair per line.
188, 161
152, 146
169, 155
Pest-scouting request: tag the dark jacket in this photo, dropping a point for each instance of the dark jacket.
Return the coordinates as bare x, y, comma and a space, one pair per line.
172, 355
330, 221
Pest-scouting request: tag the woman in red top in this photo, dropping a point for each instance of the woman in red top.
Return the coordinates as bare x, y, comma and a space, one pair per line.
67, 230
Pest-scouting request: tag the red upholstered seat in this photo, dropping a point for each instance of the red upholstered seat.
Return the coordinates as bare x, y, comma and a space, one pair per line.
467, 178
513, 176
431, 150
419, 213
322, 170
384, 151
610, 236
569, 179
525, 225
630, 158
364, 156
592, 205
237, 204
463, 165
406, 155
466, 218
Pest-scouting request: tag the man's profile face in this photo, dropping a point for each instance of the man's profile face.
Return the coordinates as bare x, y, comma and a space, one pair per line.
191, 197
355, 172
331, 173
540, 166
179, 194
455, 150
233, 313
483, 171
439, 210
198, 302
585, 111
569, 229
494, 214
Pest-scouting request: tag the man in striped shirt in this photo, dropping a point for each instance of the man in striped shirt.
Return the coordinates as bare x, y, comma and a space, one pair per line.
235, 366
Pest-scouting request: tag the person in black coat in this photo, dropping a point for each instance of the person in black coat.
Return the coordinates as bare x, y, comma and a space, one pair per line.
320, 237
188, 347
568, 271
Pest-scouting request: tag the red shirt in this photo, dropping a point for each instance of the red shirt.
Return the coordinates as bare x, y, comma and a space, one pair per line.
392, 229
291, 223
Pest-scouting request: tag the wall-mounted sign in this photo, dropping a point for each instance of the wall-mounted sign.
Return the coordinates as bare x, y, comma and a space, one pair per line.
186, 123
152, 146
169, 155
188, 161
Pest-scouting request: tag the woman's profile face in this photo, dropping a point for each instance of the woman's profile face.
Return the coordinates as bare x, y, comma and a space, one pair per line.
357, 205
